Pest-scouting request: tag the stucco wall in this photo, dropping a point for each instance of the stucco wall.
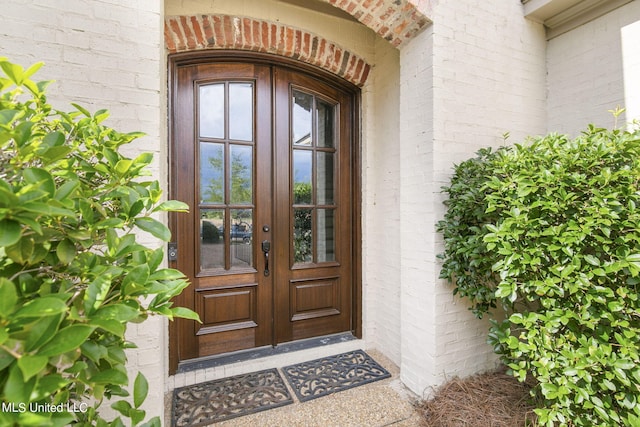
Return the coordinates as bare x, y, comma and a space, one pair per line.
585, 72
103, 54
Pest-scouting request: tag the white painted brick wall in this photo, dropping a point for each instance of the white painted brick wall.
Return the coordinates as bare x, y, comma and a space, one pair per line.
586, 75
102, 54
381, 213
477, 73
631, 61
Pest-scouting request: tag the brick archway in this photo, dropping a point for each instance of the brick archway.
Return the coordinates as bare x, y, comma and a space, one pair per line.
396, 21
196, 32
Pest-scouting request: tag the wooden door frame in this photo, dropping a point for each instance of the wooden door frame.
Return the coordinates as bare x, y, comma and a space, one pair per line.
191, 58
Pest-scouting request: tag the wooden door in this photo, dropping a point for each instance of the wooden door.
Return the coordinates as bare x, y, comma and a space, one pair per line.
263, 157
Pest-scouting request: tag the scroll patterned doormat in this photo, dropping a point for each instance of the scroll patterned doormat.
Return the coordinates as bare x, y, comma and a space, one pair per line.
214, 401
321, 377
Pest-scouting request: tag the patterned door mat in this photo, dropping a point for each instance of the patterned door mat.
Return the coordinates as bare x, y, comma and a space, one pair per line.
321, 377
214, 401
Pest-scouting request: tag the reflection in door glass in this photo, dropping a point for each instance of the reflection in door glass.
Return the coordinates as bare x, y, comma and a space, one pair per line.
301, 126
302, 236
325, 245
324, 114
241, 237
241, 174
324, 178
211, 238
241, 111
211, 111
211, 172
302, 172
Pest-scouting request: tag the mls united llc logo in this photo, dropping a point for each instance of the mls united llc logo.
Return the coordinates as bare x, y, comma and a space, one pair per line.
34, 407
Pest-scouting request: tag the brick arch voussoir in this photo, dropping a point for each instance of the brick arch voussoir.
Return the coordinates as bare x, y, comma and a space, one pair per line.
197, 32
396, 21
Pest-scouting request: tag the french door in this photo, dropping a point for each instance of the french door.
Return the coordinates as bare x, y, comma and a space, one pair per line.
264, 157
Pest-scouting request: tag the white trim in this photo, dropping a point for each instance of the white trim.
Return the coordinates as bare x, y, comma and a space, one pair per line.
561, 16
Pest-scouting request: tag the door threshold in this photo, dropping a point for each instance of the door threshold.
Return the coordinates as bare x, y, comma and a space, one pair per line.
260, 352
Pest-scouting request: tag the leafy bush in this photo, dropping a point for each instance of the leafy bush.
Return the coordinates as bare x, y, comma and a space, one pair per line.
562, 232
72, 273
467, 262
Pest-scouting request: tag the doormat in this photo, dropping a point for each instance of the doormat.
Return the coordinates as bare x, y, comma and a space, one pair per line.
321, 377
214, 401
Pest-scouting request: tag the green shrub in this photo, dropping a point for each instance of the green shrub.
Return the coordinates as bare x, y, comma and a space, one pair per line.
466, 261
562, 231
72, 273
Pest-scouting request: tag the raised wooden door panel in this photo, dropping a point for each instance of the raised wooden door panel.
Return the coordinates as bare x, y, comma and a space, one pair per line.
221, 163
313, 191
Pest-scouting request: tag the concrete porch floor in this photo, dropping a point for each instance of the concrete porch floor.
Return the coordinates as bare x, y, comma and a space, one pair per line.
382, 403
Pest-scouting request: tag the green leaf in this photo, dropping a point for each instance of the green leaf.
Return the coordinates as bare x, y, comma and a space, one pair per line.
110, 376
16, 388
14, 71
123, 407
10, 232
64, 191
82, 109
53, 139
140, 390
44, 306
8, 297
42, 178
67, 339
22, 250
155, 227
48, 385
123, 166
42, 330
32, 70
592, 260
185, 313
138, 276
110, 325
120, 312
172, 206
32, 365
167, 274
66, 251
96, 293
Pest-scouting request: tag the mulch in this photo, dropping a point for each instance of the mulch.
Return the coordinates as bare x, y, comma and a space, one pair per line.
492, 399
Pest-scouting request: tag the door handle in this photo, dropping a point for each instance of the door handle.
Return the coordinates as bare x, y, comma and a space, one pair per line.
266, 247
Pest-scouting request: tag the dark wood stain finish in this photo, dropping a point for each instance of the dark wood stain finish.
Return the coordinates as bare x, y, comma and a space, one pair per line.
241, 308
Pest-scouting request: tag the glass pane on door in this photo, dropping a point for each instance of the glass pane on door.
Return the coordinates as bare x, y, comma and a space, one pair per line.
325, 178
303, 235
241, 235
211, 110
226, 175
241, 111
212, 239
313, 174
325, 242
211, 173
301, 118
241, 174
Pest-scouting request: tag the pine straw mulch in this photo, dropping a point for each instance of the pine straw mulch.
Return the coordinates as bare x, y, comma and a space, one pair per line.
493, 399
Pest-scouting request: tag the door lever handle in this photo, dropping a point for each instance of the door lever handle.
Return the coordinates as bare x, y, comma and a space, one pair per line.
266, 247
